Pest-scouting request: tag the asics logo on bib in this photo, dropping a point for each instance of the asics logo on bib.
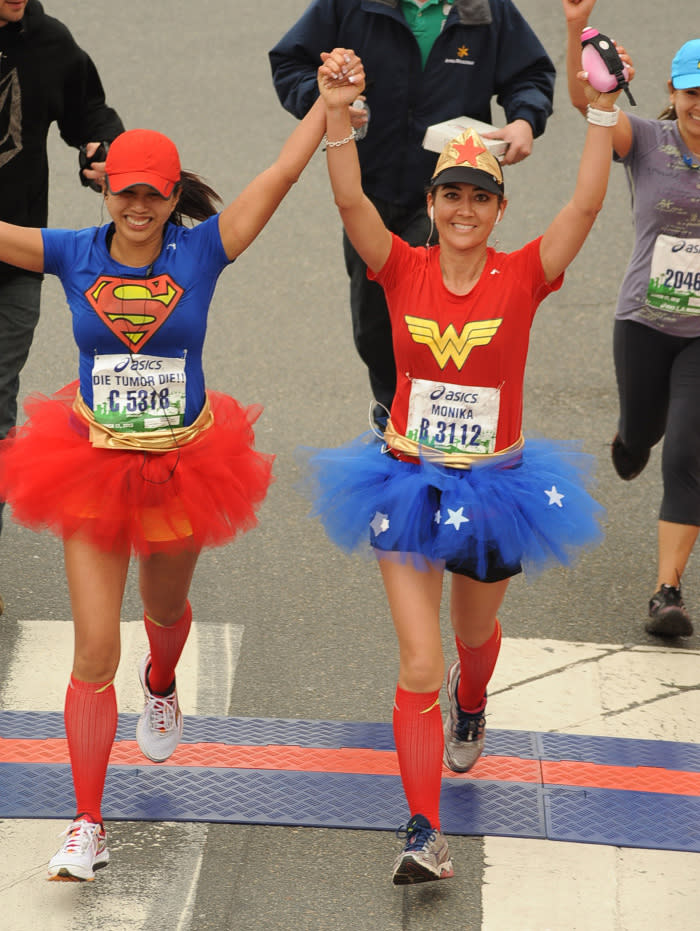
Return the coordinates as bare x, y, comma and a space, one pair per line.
450, 344
692, 248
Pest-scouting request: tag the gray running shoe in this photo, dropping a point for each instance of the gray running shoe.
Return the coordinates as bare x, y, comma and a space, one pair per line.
425, 856
464, 732
668, 616
159, 729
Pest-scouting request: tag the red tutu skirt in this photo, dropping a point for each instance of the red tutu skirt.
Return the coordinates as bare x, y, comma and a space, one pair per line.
201, 494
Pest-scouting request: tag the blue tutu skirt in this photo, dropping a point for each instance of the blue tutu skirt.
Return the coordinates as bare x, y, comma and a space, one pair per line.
532, 510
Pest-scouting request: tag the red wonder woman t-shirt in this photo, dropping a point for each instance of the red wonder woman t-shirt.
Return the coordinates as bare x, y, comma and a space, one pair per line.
460, 359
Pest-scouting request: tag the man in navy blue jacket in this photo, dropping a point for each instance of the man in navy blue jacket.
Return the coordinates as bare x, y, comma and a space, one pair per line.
426, 61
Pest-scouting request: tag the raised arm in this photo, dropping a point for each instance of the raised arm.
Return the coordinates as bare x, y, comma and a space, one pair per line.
22, 246
577, 14
340, 82
569, 229
524, 83
245, 217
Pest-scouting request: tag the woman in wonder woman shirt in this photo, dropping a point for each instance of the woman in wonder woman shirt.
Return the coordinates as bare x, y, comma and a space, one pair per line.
452, 484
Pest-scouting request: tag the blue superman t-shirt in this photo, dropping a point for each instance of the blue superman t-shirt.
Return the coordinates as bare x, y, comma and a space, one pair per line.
158, 311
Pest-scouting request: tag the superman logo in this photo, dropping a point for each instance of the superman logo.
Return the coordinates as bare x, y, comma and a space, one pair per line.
134, 309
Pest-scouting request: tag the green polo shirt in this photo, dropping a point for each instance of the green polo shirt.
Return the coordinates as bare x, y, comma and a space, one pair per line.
425, 21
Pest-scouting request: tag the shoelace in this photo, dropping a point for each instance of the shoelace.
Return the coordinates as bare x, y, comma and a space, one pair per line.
417, 836
161, 712
670, 595
470, 726
80, 835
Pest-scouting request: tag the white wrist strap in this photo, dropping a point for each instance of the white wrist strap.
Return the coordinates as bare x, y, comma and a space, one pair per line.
602, 117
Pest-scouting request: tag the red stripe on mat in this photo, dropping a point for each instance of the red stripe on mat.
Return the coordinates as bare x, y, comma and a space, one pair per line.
370, 762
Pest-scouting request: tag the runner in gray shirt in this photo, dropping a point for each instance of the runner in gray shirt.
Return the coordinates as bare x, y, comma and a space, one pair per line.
657, 325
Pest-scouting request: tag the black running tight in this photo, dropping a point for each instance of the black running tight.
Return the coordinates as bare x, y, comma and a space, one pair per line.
658, 382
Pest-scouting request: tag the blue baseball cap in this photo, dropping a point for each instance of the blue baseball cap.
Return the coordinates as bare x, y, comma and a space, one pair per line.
685, 67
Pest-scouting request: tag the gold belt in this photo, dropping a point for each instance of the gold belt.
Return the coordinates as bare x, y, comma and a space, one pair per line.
402, 444
154, 441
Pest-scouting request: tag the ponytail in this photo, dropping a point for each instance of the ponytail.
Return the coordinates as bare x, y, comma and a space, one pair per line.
197, 200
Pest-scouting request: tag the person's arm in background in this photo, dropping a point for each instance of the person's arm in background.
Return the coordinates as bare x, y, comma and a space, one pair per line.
296, 57
524, 84
86, 119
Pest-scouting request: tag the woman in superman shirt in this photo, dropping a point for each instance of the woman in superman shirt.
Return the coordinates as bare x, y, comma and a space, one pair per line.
138, 457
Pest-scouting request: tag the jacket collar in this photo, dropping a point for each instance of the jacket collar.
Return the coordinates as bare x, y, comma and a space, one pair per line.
469, 12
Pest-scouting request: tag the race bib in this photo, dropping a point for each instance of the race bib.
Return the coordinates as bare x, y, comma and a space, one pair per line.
136, 393
674, 285
453, 418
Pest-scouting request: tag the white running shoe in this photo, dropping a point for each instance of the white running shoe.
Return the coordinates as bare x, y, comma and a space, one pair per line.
159, 728
84, 851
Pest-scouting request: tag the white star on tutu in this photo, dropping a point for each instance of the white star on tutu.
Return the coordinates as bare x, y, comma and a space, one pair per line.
438, 516
379, 523
456, 518
554, 496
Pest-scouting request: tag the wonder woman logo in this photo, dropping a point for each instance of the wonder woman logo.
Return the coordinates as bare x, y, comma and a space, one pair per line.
450, 344
134, 310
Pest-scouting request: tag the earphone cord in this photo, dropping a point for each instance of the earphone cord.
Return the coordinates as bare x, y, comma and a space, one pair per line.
171, 472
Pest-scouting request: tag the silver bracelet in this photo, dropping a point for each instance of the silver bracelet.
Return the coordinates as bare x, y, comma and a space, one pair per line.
602, 117
334, 145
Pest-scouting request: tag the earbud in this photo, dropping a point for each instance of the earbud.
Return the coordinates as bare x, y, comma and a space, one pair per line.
432, 212
498, 216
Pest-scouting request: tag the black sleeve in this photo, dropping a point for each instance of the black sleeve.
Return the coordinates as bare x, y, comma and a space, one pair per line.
85, 114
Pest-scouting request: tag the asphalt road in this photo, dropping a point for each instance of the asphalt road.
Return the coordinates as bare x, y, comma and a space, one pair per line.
318, 642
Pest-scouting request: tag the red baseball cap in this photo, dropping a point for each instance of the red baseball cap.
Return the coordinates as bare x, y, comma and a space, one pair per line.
142, 156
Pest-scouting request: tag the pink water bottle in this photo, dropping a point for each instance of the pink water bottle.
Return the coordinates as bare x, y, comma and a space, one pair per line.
599, 57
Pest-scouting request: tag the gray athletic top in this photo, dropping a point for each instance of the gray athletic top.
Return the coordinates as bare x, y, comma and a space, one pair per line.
661, 287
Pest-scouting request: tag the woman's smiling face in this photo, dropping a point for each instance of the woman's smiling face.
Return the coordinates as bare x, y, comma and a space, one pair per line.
140, 212
464, 214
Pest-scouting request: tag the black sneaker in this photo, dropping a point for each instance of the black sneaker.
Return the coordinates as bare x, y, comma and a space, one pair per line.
668, 616
628, 465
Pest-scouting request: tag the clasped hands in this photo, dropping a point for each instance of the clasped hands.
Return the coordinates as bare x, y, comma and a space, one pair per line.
341, 79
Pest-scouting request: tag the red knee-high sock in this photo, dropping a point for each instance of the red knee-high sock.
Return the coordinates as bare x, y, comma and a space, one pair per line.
419, 745
90, 717
476, 665
166, 645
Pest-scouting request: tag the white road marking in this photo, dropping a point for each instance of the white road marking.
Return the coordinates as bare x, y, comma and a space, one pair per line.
606, 690
539, 685
171, 852
206, 669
